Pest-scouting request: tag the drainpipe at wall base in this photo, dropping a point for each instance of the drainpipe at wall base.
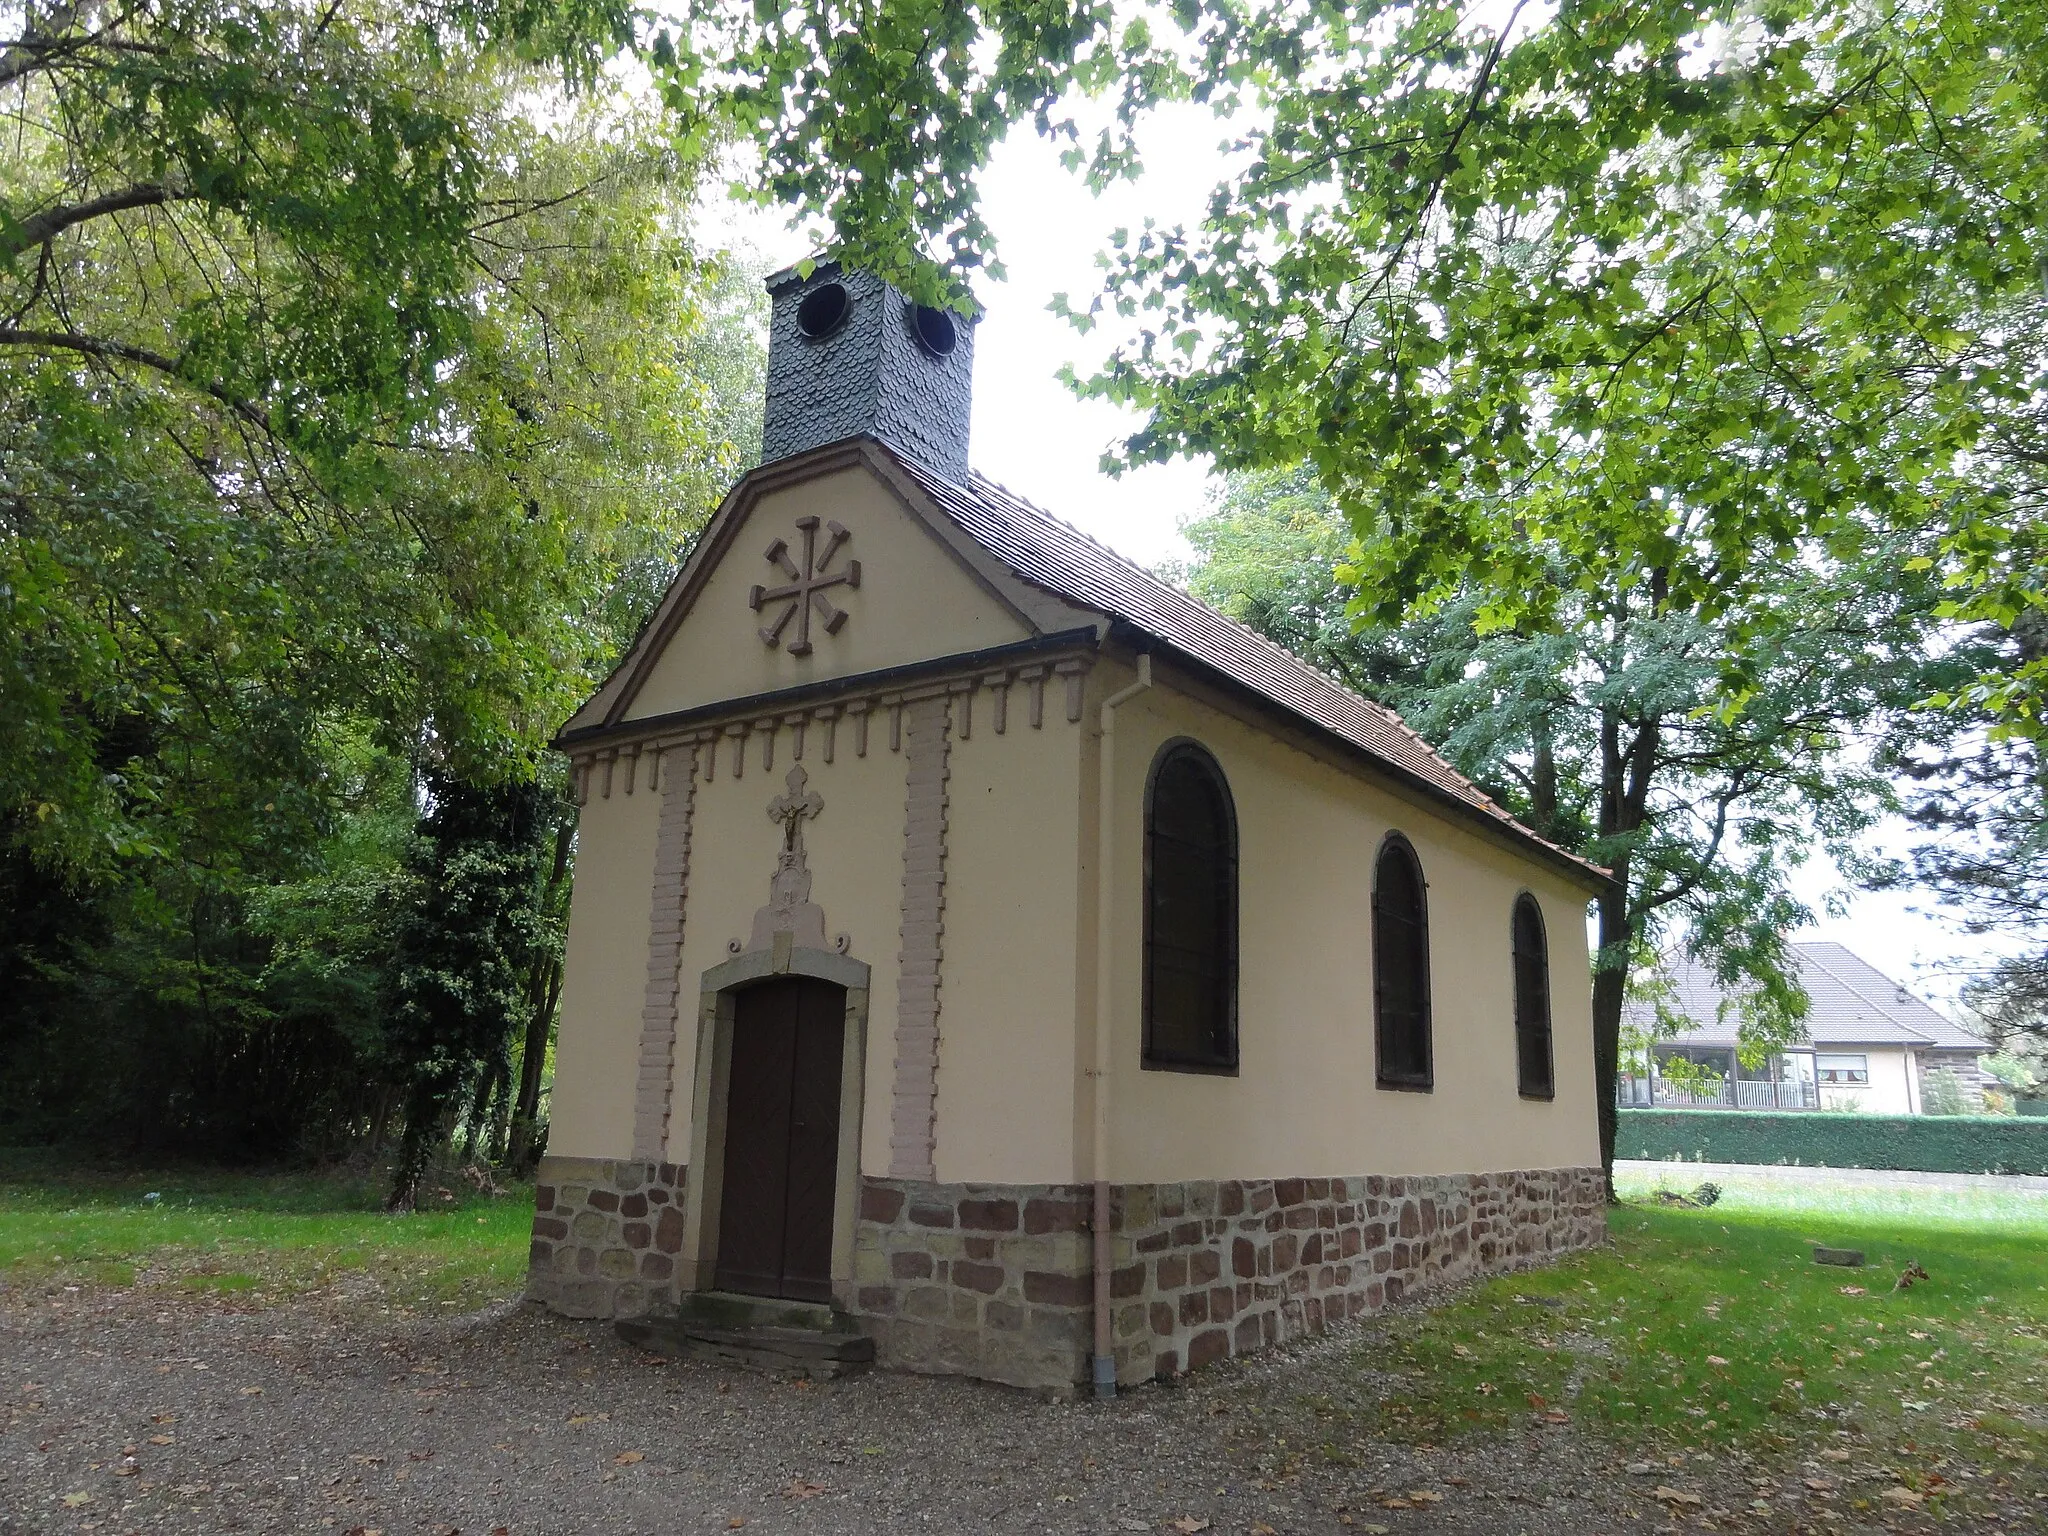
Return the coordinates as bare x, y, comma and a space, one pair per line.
1105, 822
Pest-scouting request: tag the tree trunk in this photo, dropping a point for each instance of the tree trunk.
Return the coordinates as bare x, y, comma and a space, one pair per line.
1610, 989
545, 994
532, 1062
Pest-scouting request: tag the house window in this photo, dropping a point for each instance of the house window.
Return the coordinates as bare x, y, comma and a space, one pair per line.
1843, 1071
1400, 968
1532, 1000
1190, 914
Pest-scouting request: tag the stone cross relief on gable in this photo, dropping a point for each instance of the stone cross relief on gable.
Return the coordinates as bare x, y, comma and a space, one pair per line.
805, 589
790, 909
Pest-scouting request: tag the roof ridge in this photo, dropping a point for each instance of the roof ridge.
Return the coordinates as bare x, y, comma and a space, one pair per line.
1853, 990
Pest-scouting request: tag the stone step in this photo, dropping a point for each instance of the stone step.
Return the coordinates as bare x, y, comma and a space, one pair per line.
732, 1309
782, 1338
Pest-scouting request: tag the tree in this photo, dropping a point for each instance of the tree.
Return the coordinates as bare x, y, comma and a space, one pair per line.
1671, 290
1637, 325
1604, 727
465, 949
1981, 796
332, 382
359, 386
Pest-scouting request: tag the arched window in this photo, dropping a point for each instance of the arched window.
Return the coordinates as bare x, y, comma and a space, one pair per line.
1532, 1000
1190, 914
1400, 967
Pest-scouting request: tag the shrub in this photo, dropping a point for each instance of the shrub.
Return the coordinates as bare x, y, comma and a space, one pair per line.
1929, 1143
1942, 1093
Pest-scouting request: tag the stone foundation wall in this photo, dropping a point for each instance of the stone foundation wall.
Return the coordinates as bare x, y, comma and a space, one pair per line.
1208, 1270
605, 1235
988, 1280
996, 1281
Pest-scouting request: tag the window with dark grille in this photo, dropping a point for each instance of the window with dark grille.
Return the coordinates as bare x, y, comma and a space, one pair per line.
1190, 914
1532, 1000
1400, 968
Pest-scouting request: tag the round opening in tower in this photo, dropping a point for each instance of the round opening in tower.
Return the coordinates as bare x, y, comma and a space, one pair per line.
936, 332
823, 310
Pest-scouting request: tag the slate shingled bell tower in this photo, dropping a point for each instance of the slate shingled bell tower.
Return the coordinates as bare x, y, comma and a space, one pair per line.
849, 356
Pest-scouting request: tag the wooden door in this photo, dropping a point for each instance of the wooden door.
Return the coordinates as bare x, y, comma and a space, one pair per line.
782, 1140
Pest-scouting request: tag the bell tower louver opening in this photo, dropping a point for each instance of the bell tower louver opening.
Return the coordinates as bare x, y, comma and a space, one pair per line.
849, 356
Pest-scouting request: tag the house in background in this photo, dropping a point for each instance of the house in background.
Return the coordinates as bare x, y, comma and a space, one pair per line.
1871, 1045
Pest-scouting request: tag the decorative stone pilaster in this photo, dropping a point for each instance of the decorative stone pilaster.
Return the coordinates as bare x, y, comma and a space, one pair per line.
655, 1084
926, 743
605, 1235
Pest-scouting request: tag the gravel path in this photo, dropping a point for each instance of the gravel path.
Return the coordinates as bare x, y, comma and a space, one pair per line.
1684, 1175
118, 1414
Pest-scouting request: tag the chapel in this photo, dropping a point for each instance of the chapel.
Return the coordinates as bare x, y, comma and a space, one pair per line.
987, 959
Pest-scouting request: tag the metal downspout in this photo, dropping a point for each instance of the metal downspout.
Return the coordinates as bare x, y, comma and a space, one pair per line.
1105, 825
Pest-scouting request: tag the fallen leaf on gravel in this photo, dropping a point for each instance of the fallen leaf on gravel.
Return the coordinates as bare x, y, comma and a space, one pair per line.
627, 1458
1557, 1416
1260, 1528
252, 1391
1187, 1525
126, 1469
1641, 1468
1133, 1525
161, 1439
1904, 1496
1854, 1290
1424, 1496
77, 1500
737, 1520
1821, 1484
799, 1489
1395, 1504
1837, 1455
1459, 1482
191, 1490
1677, 1496
1912, 1406
587, 1418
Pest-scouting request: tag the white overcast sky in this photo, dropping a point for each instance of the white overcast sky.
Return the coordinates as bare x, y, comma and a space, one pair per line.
1034, 436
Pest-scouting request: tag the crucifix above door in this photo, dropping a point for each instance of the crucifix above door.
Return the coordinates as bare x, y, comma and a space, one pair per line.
804, 590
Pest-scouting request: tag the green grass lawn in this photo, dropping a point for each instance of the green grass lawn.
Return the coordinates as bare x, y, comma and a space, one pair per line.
1704, 1328
254, 1238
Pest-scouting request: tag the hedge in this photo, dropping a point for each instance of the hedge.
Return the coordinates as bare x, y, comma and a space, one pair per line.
1928, 1143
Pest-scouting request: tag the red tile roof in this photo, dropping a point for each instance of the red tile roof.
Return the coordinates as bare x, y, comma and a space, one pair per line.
1060, 558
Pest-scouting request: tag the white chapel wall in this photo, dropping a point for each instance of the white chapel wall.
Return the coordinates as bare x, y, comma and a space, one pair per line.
1304, 1102
1007, 1086
604, 973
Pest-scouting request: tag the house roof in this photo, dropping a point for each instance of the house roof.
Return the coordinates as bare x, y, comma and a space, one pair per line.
1056, 558
1851, 1003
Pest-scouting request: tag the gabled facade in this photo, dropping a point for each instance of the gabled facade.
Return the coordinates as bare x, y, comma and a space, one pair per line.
983, 941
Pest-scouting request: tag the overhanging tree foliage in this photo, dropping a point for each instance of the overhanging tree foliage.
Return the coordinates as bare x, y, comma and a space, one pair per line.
1643, 325
358, 387
1606, 728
